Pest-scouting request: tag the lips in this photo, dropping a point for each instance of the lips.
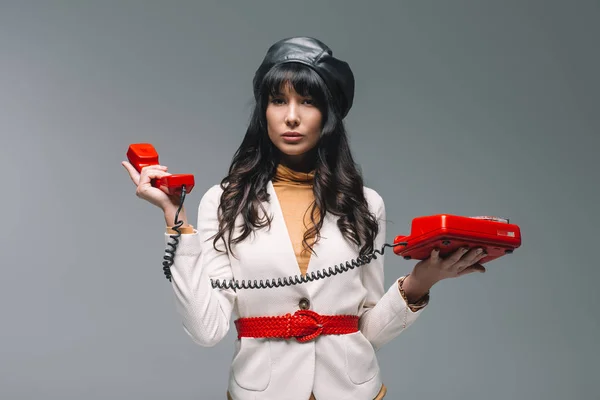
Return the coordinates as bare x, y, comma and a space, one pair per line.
292, 137
292, 134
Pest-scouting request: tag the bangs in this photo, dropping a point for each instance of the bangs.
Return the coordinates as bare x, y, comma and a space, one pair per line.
303, 79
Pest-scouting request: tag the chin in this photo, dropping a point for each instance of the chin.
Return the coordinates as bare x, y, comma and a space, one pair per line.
291, 150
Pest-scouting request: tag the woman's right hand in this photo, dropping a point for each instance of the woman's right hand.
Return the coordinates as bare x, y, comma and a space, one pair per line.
146, 191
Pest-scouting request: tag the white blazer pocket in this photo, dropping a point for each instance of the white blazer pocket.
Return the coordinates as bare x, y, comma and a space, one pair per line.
361, 362
251, 366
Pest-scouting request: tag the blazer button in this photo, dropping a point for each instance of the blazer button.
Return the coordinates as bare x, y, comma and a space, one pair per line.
304, 304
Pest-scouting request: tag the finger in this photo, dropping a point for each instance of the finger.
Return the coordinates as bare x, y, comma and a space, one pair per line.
149, 169
471, 269
456, 256
481, 256
468, 259
472, 256
154, 166
145, 187
150, 174
133, 174
435, 255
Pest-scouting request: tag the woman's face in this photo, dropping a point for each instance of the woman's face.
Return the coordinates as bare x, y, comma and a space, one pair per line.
294, 125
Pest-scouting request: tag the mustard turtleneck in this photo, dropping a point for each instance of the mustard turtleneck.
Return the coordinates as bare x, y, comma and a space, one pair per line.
295, 194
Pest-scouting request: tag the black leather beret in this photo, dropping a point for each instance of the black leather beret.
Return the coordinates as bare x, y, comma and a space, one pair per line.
309, 51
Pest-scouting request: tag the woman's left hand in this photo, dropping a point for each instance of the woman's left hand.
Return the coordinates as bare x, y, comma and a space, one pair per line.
463, 261
428, 272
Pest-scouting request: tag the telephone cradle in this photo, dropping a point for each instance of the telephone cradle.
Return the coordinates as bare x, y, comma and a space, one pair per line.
446, 232
443, 231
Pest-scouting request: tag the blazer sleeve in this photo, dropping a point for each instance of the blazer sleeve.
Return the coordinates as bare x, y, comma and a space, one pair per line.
205, 312
384, 313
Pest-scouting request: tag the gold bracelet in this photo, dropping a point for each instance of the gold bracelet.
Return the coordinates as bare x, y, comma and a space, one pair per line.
419, 304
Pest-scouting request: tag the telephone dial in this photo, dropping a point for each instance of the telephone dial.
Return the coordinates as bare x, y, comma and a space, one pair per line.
446, 232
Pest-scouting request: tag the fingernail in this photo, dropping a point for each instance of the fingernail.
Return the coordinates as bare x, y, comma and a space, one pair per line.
479, 251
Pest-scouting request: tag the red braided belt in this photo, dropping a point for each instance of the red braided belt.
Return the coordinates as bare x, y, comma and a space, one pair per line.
303, 325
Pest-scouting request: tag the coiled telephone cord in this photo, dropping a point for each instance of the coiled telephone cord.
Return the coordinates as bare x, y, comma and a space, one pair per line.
169, 257
298, 279
273, 283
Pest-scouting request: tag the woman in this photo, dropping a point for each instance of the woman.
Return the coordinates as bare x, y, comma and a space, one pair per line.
293, 203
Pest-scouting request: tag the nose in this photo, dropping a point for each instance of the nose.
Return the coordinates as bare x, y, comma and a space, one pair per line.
291, 117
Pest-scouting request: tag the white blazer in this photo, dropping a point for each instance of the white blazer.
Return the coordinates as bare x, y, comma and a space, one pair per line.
331, 366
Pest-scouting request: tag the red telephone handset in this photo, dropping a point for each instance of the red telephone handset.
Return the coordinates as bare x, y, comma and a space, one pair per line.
450, 232
143, 154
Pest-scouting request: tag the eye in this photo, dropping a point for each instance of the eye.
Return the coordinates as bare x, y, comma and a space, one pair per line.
277, 100
309, 101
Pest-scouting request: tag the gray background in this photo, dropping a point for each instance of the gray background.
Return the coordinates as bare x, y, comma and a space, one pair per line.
461, 107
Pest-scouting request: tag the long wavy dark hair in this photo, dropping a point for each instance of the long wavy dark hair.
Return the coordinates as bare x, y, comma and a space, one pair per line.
337, 186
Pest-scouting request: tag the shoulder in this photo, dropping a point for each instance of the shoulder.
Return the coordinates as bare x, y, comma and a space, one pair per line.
210, 199
375, 201
373, 197
214, 192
